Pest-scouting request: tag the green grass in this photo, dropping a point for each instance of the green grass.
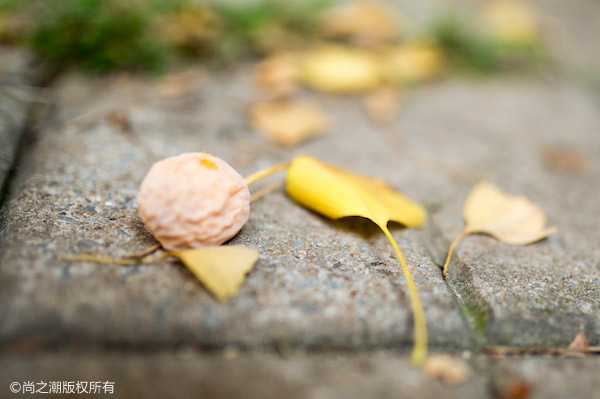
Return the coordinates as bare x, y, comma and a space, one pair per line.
102, 35
146, 35
472, 51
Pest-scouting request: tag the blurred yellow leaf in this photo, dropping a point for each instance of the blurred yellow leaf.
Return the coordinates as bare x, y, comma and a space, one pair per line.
365, 23
382, 103
336, 193
288, 123
340, 69
221, 269
414, 62
511, 21
278, 74
191, 27
511, 219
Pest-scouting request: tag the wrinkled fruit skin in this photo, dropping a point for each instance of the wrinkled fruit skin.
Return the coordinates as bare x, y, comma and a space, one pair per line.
193, 200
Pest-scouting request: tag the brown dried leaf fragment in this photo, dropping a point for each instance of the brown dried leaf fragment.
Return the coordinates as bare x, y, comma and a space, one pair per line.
278, 74
451, 370
563, 159
382, 104
579, 342
288, 123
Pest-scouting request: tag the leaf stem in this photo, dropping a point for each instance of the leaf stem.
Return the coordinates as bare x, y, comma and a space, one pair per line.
254, 177
459, 237
120, 261
419, 352
266, 190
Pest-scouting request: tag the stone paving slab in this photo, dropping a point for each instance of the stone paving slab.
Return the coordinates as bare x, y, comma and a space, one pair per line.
541, 294
318, 283
188, 374
15, 102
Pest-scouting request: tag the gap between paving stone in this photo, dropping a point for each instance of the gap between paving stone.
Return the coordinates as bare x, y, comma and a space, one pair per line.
541, 294
17, 96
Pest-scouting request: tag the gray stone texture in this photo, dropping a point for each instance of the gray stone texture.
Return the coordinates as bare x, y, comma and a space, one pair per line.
190, 374
318, 283
546, 377
542, 293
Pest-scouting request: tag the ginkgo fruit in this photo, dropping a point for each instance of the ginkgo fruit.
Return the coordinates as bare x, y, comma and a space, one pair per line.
193, 200
510, 219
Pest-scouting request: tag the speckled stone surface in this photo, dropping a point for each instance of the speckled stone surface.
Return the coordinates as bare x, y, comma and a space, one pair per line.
318, 283
15, 101
545, 292
189, 374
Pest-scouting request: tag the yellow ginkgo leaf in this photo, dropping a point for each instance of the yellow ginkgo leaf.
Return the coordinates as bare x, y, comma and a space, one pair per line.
382, 103
340, 69
288, 123
221, 269
414, 62
511, 219
278, 74
336, 193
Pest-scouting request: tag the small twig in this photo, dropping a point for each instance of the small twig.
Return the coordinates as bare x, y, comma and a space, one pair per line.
145, 252
499, 350
119, 261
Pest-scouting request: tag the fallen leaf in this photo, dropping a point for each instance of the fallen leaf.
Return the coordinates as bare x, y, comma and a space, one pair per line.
414, 62
382, 104
518, 390
365, 23
221, 269
568, 160
279, 74
511, 219
452, 371
580, 342
181, 83
288, 123
341, 69
336, 193
511, 21
120, 119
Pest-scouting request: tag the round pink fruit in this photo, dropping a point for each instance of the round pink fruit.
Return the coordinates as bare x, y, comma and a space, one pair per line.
193, 200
